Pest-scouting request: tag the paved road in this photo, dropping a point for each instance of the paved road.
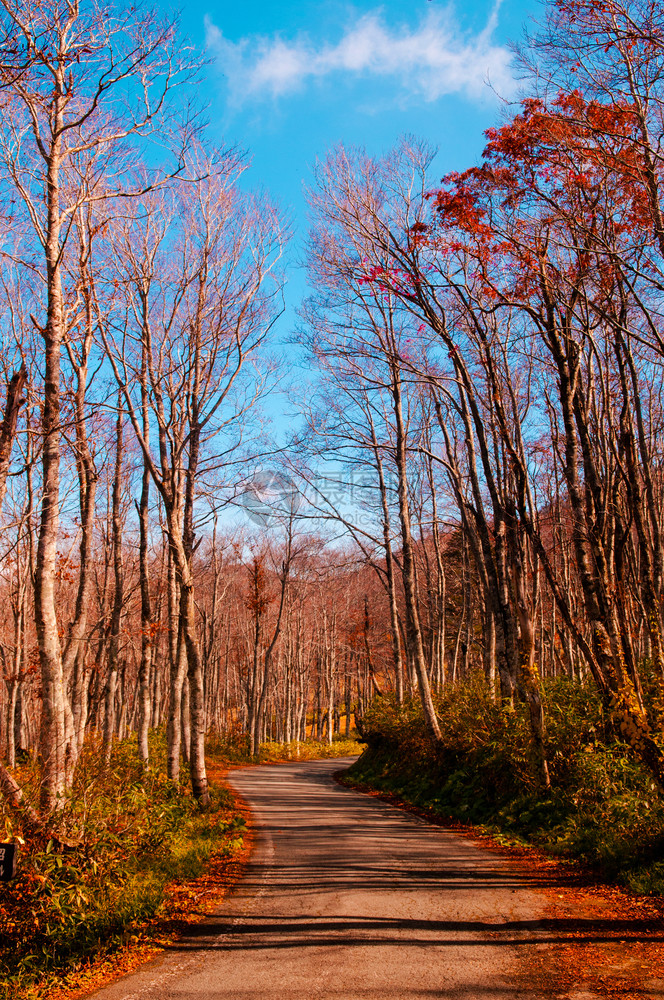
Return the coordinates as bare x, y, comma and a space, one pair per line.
347, 898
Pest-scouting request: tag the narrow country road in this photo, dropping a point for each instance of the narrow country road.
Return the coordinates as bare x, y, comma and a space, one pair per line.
347, 898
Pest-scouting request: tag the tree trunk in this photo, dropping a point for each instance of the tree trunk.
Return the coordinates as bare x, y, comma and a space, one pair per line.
118, 594
52, 740
413, 629
147, 625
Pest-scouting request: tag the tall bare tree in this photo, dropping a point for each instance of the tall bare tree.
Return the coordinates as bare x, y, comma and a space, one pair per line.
67, 141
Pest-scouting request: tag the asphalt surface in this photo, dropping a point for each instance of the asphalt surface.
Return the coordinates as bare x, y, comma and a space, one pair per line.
348, 898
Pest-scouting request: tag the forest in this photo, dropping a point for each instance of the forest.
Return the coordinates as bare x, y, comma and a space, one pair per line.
472, 495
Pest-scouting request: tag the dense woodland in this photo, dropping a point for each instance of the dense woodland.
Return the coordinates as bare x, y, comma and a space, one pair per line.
475, 484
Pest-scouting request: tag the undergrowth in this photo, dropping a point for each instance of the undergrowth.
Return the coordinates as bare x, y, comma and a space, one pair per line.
122, 836
603, 807
232, 747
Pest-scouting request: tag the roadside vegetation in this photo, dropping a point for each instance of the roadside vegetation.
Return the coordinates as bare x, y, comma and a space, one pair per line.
87, 885
602, 806
232, 747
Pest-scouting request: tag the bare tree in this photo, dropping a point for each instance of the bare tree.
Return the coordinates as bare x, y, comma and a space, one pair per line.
191, 352
66, 143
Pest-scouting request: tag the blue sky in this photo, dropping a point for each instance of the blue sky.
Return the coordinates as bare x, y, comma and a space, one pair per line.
289, 80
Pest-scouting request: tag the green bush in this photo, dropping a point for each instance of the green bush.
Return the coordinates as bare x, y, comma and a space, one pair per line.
122, 835
603, 807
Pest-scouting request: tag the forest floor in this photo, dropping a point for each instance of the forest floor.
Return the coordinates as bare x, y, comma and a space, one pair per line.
603, 940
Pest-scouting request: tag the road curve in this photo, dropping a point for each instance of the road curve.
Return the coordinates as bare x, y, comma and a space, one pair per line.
347, 898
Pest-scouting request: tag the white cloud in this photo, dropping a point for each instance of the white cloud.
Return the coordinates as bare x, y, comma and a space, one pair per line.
431, 60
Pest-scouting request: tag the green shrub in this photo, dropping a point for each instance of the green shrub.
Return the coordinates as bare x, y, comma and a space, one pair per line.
122, 835
603, 806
